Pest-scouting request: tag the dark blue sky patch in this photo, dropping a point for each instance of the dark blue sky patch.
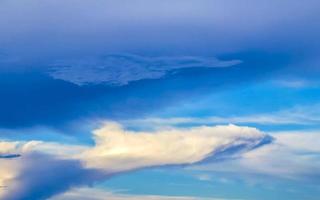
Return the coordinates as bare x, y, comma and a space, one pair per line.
31, 97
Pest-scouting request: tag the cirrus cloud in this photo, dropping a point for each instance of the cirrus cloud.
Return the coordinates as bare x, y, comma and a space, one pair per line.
124, 68
293, 156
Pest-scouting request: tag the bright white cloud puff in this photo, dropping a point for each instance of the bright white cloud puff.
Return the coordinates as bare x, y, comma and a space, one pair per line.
119, 150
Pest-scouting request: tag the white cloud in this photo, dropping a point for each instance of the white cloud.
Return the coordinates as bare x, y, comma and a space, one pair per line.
116, 150
299, 83
26, 176
7, 147
14, 149
124, 68
99, 194
25, 147
8, 170
300, 115
293, 155
257, 119
204, 177
119, 150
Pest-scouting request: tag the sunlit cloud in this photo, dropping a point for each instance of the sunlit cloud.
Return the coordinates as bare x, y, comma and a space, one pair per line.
116, 150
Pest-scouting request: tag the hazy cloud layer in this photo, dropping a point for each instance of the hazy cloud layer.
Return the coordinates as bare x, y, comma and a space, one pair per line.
296, 115
293, 155
98, 194
124, 68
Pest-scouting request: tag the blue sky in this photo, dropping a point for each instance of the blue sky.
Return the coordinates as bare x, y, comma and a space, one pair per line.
161, 100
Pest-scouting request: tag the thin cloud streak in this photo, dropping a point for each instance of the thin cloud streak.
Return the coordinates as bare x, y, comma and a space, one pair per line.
100, 194
299, 115
292, 156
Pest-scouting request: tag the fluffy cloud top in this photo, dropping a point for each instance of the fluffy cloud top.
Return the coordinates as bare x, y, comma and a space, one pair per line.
124, 68
118, 150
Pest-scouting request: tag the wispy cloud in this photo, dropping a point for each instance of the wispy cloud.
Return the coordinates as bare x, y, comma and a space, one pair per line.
99, 194
298, 115
295, 83
293, 155
124, 68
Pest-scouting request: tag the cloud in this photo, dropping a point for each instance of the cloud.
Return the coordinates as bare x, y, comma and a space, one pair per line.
124, 68
8, 170
63, 103
41, 170
7, 147
16, 146
295, 84
8, 156
204, 177
292, 155
58, 167
117, 149
297, 115
99, 194
40, 176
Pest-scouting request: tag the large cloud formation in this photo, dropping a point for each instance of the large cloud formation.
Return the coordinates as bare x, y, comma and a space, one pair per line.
116, 150
120, 150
